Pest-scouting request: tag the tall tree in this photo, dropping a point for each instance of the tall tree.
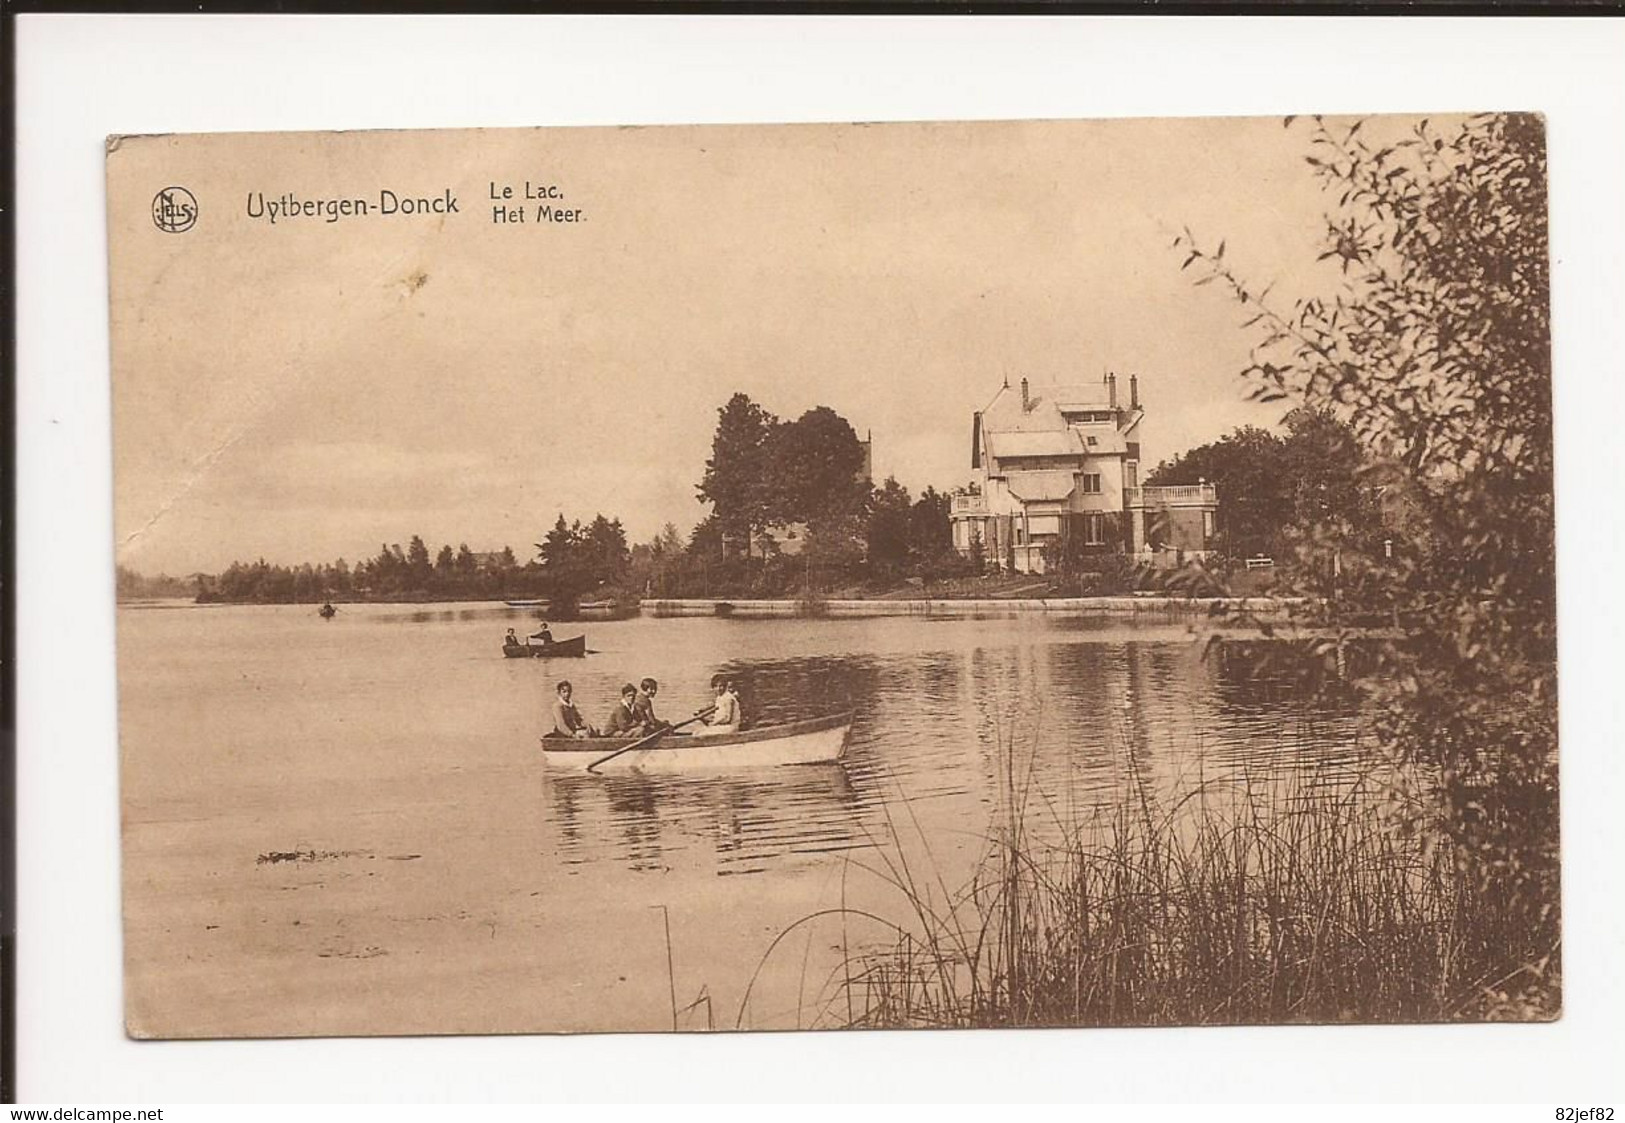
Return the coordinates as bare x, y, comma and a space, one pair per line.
1248, 470
605, 552
566, 564
705, 540
670, 542
930, 527
734, 481
559, 546
417, 564
886, 531
816, 470
388, 569
1325, 464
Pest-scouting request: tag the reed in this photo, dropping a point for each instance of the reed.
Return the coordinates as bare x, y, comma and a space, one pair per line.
1249, 905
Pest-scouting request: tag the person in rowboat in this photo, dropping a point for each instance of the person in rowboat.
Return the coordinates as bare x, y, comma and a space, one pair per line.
623, 720
647, 689
567, 720
510, 640
725, 713
544, 634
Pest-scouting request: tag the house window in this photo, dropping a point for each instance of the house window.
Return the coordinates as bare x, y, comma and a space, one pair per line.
1092, 440
1207, 524
1094, 529
1091, 483
1133, 469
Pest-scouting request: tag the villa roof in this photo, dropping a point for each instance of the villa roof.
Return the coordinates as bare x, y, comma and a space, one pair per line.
1040, 487
1089, 396
1046, 405
1009, 428
1060, 441
1107, 442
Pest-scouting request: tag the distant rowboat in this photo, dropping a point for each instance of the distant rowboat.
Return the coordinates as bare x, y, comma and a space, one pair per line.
572, 648
816, 741
525, 603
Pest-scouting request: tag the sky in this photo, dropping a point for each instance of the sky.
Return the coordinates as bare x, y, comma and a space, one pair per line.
307, 390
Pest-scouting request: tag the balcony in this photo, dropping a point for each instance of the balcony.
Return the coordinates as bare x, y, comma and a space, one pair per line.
970, 506
1184, 495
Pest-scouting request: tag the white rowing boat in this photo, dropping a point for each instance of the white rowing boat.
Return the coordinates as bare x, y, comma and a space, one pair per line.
801, 742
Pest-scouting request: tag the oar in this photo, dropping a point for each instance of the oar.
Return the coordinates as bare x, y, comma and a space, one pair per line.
655, 736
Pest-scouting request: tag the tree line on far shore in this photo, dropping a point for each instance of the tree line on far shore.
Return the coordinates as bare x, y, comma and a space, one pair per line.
794, 514
392, 574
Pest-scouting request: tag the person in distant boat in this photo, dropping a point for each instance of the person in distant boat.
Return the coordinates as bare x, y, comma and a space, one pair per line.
545, 634
725, 710
623, 720
567, 720
647, 689
510, 640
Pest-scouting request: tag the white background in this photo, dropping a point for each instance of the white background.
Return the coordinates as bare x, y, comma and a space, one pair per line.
80, 78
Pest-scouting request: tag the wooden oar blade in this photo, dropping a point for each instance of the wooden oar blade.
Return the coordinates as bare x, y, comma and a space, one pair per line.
638, 744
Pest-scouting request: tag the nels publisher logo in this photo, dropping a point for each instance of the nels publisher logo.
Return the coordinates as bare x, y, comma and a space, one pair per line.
174, 210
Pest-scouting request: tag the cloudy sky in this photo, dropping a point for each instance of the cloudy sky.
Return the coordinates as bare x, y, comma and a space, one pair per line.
308, 390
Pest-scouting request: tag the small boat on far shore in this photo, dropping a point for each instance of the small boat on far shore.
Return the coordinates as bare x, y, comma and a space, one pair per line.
573, 648
816, 741
526, 603
599, 608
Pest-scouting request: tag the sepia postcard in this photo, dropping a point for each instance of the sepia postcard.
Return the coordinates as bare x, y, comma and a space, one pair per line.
764, 577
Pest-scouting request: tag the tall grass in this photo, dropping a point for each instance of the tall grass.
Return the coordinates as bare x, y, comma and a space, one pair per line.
1265, 906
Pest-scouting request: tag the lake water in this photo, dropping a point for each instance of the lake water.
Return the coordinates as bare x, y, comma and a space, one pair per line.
346, 826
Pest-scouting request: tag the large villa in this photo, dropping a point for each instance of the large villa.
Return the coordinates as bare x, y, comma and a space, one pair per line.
1056, 471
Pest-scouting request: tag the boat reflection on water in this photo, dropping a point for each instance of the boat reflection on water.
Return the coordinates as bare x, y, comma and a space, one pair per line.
747, 821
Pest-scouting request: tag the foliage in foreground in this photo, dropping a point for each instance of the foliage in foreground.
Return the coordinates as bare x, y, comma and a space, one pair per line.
1266, 909
1437, 351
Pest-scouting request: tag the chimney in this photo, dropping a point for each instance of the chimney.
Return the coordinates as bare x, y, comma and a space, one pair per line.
1133, 391
1111, 390
1026, 402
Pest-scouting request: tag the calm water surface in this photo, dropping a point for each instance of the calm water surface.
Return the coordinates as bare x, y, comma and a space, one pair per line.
347, 827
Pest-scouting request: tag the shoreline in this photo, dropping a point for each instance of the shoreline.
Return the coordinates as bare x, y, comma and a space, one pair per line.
1274, 608
1127, 607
